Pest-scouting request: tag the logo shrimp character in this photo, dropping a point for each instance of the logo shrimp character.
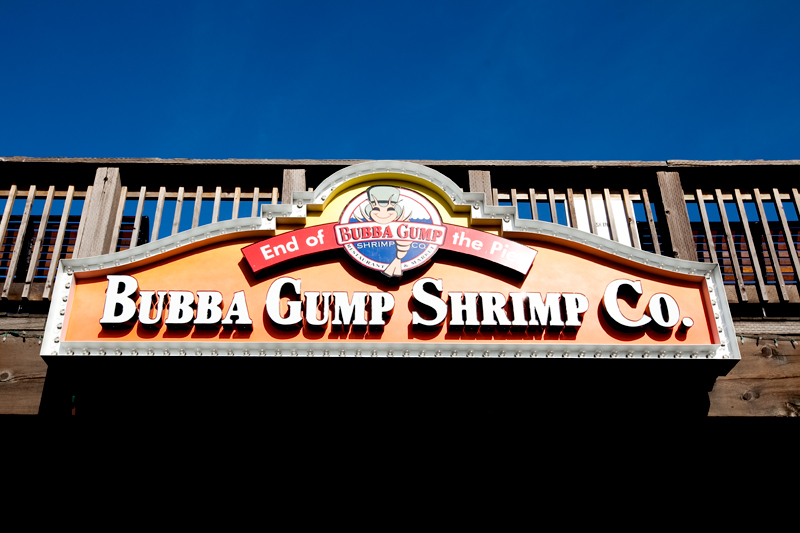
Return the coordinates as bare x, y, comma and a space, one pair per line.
383, 209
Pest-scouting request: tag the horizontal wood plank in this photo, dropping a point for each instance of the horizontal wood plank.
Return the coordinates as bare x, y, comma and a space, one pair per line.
755, 397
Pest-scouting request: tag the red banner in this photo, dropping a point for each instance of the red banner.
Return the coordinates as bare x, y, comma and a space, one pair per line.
307, 241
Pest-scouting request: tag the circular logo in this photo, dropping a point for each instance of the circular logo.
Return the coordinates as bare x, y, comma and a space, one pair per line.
390, 229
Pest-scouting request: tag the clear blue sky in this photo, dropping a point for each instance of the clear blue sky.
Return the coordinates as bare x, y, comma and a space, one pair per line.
647, 80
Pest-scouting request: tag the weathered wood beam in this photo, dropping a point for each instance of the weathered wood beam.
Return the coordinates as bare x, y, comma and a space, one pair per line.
294, 179
102, 211
481, 181
680, 229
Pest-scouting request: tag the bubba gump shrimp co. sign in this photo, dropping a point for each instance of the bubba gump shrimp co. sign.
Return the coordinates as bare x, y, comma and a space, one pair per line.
388, 259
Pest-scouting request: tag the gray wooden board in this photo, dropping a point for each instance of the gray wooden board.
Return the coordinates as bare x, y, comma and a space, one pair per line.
481, 181
102, 208
294, 179
680, 228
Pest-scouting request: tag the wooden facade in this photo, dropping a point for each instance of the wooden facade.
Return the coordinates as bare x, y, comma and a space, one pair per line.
740, 214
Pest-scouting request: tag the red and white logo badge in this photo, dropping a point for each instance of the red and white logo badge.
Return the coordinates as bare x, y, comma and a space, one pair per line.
390, 229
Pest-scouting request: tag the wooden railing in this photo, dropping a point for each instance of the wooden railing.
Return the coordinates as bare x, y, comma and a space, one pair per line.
753, 235
753, 238
28, 247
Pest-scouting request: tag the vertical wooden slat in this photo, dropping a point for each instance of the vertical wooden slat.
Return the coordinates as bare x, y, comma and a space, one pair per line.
630, 215
495, 200
737, 270
773, 255
237, 194
534, 209
648, 211
796, 196
481, 181
513, 193
18, 244
87, 201
37, 247
176, 220
55, 257
12, 195
701, 204
217, 199
573, 218
274, 195
254, 209
162, 193
590, 210
551, 197
787, 232
754, 253
123, 197
137, 221
198, 204
610, 215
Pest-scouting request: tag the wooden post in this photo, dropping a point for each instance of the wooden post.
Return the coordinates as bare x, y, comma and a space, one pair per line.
481, 181
97, 236
680, 229
293, 180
